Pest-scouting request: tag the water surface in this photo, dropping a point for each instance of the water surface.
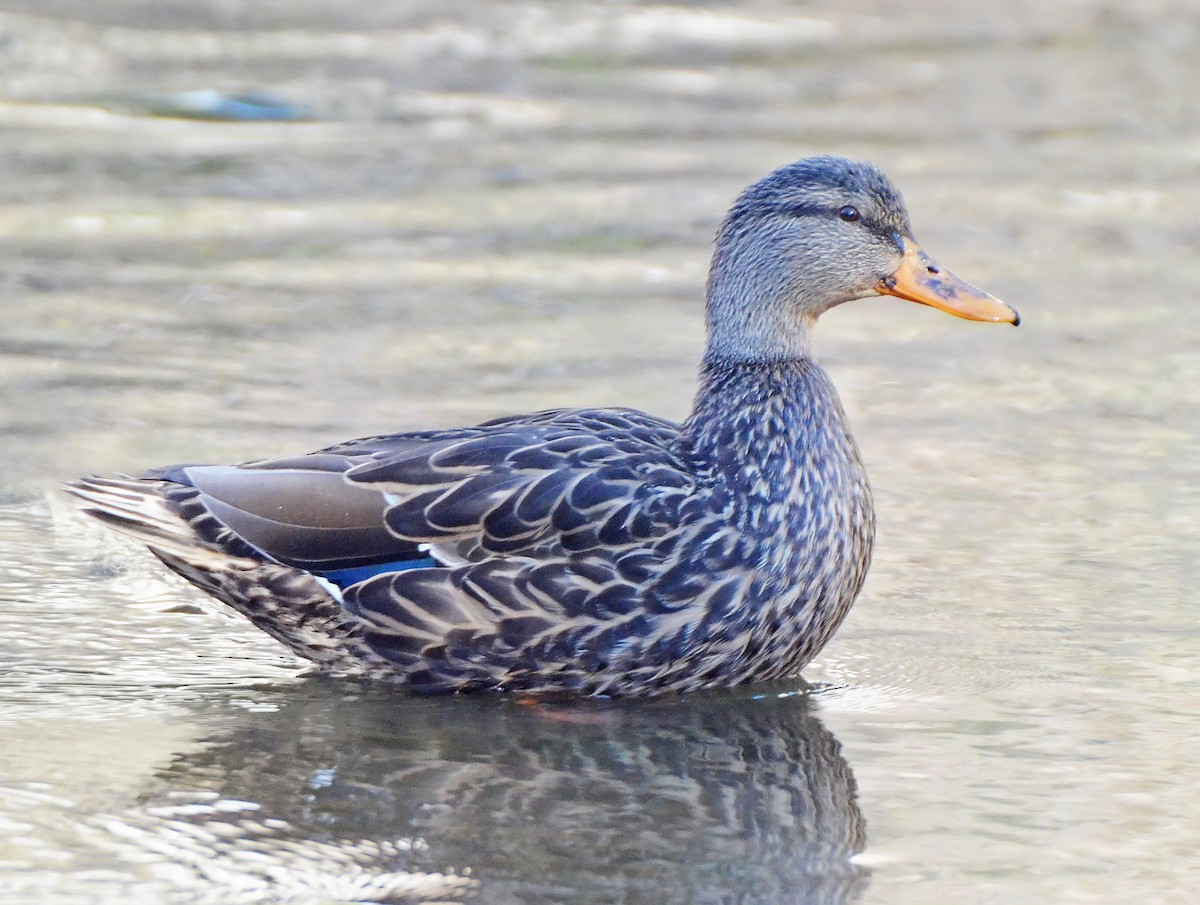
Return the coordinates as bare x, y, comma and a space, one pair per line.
485, 208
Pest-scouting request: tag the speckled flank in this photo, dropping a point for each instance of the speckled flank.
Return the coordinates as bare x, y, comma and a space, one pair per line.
753, 567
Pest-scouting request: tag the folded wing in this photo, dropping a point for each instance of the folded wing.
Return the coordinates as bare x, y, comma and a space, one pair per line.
547, 486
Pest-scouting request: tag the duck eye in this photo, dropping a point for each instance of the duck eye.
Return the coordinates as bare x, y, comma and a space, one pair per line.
850, 214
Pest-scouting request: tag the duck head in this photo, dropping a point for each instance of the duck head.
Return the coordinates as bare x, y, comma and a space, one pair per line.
812, 235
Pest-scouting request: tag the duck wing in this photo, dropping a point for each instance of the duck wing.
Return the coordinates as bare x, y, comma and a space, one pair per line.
543, 485
566, 483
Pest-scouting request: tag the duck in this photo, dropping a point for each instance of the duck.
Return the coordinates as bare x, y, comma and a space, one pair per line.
586, 551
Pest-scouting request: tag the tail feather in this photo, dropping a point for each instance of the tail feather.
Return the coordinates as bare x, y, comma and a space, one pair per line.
291, 605
138, 509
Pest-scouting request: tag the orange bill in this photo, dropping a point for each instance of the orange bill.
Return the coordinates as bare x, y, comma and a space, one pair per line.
922, 280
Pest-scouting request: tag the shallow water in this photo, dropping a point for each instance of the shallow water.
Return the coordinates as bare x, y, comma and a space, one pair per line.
487, 208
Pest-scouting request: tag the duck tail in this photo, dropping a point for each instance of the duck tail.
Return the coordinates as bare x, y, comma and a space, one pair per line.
138, 508
295, 607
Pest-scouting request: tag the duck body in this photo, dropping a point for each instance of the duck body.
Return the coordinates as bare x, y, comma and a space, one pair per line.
587, 551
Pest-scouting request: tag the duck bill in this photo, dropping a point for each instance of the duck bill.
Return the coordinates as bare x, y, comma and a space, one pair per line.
922, 280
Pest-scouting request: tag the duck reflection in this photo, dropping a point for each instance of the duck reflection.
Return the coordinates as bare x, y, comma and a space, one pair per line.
719, 797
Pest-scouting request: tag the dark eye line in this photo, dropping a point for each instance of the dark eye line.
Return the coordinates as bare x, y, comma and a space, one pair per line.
848, 213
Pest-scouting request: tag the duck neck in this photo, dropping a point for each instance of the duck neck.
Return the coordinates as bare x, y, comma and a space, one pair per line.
775, 345
782, 408
765, 312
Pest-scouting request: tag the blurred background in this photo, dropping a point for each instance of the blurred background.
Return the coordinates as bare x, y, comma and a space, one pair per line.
234, 229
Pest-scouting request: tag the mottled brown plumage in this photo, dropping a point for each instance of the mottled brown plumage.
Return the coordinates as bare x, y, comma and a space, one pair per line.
592, 551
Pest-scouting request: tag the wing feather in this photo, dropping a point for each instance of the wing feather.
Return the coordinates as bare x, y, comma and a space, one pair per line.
555, 483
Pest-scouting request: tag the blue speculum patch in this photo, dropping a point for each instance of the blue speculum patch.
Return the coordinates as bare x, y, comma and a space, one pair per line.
343, 578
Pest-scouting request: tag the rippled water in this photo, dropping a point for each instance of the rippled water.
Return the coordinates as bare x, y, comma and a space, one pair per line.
486, 208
